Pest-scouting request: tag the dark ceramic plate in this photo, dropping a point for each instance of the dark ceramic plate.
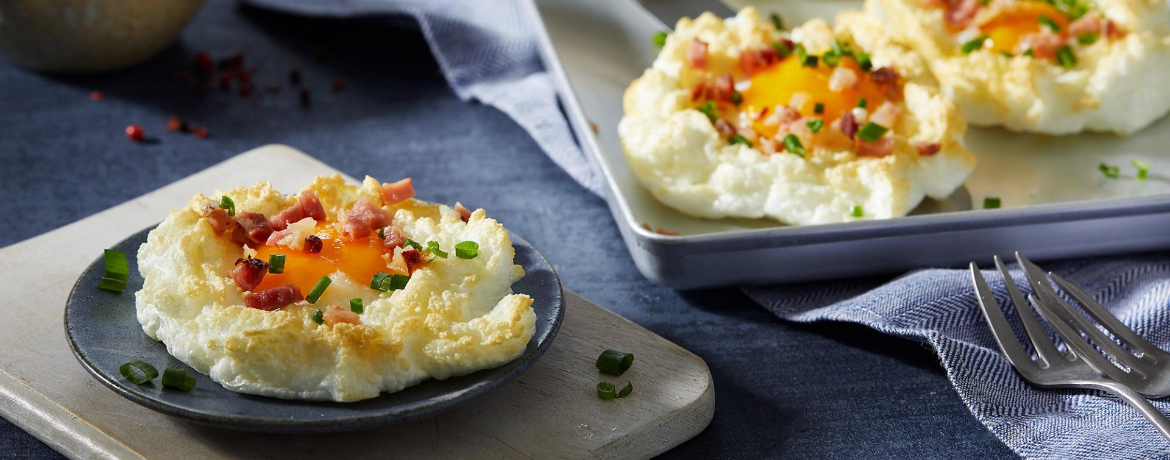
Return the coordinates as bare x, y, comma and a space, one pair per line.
104, 333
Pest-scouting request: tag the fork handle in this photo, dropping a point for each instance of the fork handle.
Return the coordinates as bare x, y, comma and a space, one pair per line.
1140, 403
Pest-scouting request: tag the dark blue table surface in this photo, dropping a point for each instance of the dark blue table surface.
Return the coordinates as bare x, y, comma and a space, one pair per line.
782, 390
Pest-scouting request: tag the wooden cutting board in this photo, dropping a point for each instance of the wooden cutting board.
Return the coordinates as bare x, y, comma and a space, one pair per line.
550, 411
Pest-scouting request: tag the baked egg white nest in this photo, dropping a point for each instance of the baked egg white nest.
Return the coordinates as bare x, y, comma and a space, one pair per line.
1055, 68
712, 153
454, 316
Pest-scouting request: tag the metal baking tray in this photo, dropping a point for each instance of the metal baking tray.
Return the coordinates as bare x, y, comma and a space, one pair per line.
1057, 203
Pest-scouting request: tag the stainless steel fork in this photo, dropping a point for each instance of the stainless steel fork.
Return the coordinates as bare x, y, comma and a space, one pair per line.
1084, 368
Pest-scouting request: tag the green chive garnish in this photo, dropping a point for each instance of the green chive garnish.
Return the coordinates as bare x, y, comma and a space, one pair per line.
433, 248
863, 61
793, 146
318, 316
138, 372
1007, 54
386, 282
605, 391
467, 250
614, 362
1029, 53
177, 379
659, 39
815, 125
973, 45
1143, 169
117, 271
709, 109
381, 233
819, 108
991, 202
318, 289
871, 131
782, 49
831, 59
1049, 23
736, 98
736, 139
226, 203
625, 391
804, 58
857, 211
1111, 172
1087, 38
777, 21
356, 306
276, 263
984, 2
1065, 56
413, 244
841, 50
862, 103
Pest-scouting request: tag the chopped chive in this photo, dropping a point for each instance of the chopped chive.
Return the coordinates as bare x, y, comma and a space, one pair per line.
177, 379
777, 21
792, 145
736, 139
804, 58
863, 61
857, 211
815, 125
413, 244
1007, 54
1087, 38
1049, 23
831, 59
862, 103
276, 263
819, 108
318, 289
659, 39
467, 250
984, 2
973, 45
614, 362
117, 271
625, 391
840, 50
1111, 172
605, 391
378, 279
1065, 56
736, 98
709, 109
356, 306
1143, 169
138, 372
386, 282
381, 233
782, 49
318, 316
871, 131
1029, 53
433, 248
991, 202
226, 203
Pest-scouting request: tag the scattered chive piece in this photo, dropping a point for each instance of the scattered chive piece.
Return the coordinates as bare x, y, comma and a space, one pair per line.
736, 98
831, 59
1087, 38
226, 203
318, 316
1049, 23
1065, 56
625, 391
382, 233
1029, 53
177, 379
1007, 54
659, 39
734, 139
777, 21
863, 61
397, 282
467, 250
386, 282
782, 49
819, 108
803, 57
793, 145
984, 2
1142, 167
709, 109
117, 271
413, 244
858, 211
378, 279
614, 362
318, 289
1111, 172
433, 248
871, 131
815, 125
605, 391
145, 372
355, 305
862, 103
973, 45
991, 202
276, 263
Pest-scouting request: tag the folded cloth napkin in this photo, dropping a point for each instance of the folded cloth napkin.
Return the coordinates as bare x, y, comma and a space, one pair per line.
487, 50
939, 307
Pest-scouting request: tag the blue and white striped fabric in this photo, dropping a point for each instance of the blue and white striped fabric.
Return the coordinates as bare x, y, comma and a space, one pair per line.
487, 52
939, 307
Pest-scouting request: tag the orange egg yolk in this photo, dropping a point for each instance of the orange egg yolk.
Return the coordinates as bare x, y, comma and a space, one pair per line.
1006, 29
360, 260
776, 84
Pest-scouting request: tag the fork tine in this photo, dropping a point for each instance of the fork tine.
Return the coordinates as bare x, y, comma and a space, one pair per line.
1045, 349
1069, 315
1000, 328
1073, 338
1099, 313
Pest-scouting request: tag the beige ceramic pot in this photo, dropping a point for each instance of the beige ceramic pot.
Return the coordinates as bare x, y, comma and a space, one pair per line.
79, 36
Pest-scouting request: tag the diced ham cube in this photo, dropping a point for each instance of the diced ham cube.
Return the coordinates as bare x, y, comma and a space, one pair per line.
274, 298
